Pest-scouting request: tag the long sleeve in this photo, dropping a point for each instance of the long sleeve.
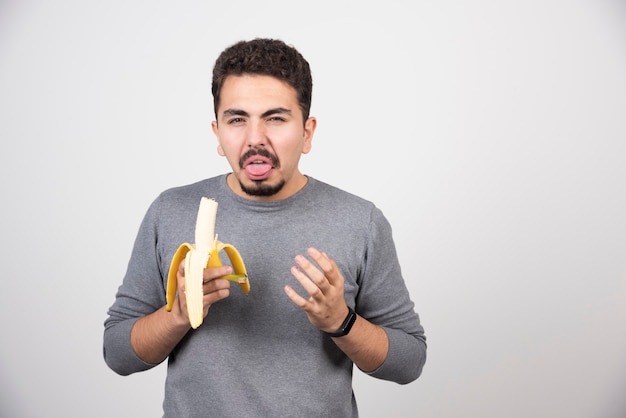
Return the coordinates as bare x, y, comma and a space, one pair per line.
383, 299
141, 293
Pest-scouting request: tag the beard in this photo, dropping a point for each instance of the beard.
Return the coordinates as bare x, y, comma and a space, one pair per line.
260, 188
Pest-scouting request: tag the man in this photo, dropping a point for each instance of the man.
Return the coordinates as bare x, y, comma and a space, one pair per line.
326, 287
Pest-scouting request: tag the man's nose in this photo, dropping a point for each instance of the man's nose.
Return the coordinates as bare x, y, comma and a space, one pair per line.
256, 135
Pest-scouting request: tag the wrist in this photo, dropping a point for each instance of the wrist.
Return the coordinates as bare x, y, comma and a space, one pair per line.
346, 325
178, 320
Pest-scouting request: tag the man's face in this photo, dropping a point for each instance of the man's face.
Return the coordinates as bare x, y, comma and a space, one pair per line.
261, 133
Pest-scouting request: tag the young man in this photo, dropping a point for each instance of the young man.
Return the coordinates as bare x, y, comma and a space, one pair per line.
326, 287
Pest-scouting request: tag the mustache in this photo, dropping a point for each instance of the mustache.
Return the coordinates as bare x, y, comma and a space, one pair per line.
262, 152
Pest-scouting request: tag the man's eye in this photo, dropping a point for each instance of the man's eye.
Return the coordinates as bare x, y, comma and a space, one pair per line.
276, 119
235, 121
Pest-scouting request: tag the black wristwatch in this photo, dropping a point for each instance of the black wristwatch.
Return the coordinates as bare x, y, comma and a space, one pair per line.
346, 326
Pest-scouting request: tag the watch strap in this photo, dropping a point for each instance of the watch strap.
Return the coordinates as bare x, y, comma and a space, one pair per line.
346, 325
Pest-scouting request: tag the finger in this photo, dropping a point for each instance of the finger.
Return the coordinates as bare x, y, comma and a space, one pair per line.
309, 286
329, 267
215, 290
313, 273
295, 297
215, 285
180, 273
180, 295
212, 273
180, 277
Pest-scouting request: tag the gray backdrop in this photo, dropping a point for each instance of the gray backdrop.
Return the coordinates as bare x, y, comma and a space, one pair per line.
491, 133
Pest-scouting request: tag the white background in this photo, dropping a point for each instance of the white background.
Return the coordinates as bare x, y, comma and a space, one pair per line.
491, 133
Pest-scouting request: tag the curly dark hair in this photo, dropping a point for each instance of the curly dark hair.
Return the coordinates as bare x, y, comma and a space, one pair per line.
265, 57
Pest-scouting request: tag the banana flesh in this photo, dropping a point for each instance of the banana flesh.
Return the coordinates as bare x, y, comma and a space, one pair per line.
203, 253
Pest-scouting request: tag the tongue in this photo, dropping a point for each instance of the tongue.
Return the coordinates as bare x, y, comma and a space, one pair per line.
258, 171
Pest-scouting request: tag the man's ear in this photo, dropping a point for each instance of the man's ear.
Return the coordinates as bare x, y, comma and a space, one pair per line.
220, 151
309, 130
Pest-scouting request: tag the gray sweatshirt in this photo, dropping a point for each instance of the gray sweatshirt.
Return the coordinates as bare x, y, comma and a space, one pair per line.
258, 355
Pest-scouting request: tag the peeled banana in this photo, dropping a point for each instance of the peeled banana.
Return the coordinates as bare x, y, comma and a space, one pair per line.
204, 253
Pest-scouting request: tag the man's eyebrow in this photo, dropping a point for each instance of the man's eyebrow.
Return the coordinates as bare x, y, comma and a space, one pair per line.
234, 112
277, 110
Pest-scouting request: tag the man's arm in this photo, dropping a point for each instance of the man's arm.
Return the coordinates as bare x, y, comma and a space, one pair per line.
154, 336
366, 344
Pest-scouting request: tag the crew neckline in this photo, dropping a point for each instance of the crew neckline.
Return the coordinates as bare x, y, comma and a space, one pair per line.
253, 203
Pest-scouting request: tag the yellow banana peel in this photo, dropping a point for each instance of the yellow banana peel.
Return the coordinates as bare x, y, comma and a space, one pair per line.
203, 253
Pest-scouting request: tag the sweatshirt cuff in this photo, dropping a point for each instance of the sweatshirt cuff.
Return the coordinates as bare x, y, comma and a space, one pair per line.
118, 351
405, 359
